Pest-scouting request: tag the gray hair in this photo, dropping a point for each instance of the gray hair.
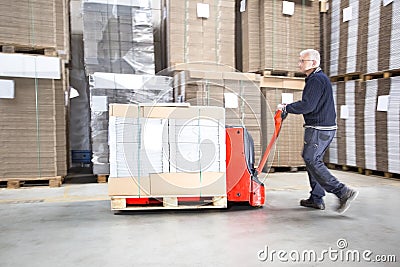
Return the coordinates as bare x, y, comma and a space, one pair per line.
313, 54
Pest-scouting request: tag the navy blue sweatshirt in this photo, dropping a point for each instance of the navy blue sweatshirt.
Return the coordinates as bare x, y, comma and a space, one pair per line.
316, 105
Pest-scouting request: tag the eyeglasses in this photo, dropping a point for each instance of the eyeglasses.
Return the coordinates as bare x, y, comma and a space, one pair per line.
302, 60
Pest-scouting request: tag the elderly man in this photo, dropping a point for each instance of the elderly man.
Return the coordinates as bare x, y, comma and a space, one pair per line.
318, 109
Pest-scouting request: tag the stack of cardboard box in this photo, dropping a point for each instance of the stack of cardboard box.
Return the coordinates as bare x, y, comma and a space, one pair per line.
33, 117
38, 24
283, 30
201, 32
288, 148
362, 41
363, 37
238, 93
108, 88
161, 150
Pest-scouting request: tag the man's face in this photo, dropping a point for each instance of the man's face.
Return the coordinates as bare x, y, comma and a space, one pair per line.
305, 63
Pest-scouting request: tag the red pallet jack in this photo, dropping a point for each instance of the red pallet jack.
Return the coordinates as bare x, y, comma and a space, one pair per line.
242, 181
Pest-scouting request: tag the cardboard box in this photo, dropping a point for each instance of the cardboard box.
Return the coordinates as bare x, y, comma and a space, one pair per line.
129, 186
26, 66
194, 184
172, 111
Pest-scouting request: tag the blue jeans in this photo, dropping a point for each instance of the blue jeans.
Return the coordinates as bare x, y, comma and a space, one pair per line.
315, 144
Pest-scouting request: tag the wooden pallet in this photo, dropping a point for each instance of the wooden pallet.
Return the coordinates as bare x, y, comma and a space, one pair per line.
365, 76
362, 170
347, 77
345, 168
119, 203
382, 74
36, 50
283, 73
14, 183
287, 168
102, 178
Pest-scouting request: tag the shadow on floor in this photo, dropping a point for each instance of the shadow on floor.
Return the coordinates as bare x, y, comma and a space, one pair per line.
80, 175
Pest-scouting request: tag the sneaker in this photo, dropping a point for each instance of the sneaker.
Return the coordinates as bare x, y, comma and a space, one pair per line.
310, 204
344, 201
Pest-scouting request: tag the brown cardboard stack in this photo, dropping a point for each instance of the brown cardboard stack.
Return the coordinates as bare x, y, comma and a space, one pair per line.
251, 37
219, 89
363, 37
282, 37
382, 149
33, 126
368, 127
289, 145
36, 24
347, 146
199, 39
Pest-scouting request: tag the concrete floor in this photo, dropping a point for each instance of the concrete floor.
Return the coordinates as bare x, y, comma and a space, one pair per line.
74, 226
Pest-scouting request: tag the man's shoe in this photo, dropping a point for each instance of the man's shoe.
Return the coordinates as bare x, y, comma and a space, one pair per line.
344, 201
310, 204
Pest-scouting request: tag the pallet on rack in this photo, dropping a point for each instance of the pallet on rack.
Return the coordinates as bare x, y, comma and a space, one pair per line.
382, 74
283, 73
35, 50
347, 77
102, 178
14, 183
123, 203
361, 170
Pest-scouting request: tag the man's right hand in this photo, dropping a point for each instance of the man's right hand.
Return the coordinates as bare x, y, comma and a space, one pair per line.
281, 107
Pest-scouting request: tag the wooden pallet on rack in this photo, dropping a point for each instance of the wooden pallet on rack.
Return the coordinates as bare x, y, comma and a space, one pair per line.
102, 178
283, 73
382, 74
35, 50
361, 170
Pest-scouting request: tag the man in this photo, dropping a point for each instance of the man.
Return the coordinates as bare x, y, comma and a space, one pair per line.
318, 109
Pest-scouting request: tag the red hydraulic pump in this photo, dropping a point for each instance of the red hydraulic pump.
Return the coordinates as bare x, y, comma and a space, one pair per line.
242, 180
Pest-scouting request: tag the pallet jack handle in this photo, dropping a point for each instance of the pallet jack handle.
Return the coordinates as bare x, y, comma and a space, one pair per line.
280, 115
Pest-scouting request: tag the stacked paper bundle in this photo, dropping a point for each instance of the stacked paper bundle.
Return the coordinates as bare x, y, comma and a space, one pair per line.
352, 42
393, 117
395, 37
381, 123
201, 32
372, 56
385, 33
137, 147
334, 37
347, 147
110, 88
364, 37
33, 113
36, 24
371, 93
331, 155
285, 34
167, 150
192, 145
118, 36
350, 119
290, 143
251, 37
